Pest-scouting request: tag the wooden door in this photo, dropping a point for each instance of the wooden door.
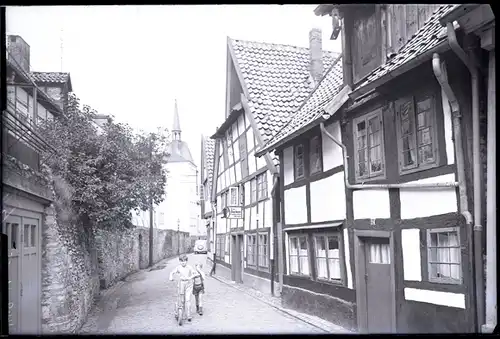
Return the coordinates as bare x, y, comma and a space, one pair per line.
23, 234
378, 282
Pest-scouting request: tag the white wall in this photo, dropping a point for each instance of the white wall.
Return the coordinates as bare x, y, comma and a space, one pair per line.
371, 204
295, 206
410, 243
288, 165
419, 203
328, 198
181, 199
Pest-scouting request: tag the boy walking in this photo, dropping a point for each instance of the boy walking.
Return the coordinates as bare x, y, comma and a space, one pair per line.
199, 288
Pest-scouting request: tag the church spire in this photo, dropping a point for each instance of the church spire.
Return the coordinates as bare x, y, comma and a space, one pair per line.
176, 128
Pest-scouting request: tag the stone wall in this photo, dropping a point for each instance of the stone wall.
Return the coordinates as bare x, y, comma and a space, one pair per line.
123, 252
69, 267
77, 263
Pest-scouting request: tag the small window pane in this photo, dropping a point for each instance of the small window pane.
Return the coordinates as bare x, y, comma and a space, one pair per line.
26, 235
294, 246
304, 265
320, 247
14, 235
334, 268
33, 235
322, 269
315, 155
294, 264
379, 253
303, 244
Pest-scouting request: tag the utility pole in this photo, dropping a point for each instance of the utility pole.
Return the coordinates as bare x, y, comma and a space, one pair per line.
150, 207
178, 237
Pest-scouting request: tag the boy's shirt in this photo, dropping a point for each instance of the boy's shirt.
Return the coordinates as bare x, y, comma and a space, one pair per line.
184, 272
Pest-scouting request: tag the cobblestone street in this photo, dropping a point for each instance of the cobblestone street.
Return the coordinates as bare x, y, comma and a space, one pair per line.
143, 303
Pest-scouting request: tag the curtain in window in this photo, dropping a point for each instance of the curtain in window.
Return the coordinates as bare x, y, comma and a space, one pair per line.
304, 260
379, 253
321, 258
333, 258
447, 254
294, 252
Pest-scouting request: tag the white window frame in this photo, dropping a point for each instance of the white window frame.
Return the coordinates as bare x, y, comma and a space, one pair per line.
265, 258
236, 201
325, 236
444, 280
290, 255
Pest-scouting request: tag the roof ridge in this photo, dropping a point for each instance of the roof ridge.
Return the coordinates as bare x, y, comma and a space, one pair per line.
278, 44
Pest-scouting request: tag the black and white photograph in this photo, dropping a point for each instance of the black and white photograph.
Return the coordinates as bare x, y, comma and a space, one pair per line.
248, 169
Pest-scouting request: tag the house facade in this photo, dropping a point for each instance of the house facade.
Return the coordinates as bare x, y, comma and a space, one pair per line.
206, 177
411, 259
26, 192
262, 90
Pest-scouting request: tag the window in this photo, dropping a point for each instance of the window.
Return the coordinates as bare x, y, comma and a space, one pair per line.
263, 249
221, 246
262, 186
443, 253
327, 257
416, 134
298, 160
251, 249
242, 195
233, 196
299, 259
253, 190
368, 144
315, 165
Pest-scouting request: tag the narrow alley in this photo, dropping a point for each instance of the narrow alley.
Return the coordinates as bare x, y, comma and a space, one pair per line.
144, 303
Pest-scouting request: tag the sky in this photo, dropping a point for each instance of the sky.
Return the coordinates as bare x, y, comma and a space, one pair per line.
132, 62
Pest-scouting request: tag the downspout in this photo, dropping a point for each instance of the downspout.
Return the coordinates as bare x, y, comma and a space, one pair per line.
275, 202
469, 61
377, 186
279, 235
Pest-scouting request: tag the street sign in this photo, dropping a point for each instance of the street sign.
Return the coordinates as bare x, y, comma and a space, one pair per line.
233, 212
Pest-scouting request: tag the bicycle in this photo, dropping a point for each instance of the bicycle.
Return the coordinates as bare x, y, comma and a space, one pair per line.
180, 304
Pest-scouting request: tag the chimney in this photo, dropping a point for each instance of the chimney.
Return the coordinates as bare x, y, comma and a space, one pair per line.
19, 52
315, 55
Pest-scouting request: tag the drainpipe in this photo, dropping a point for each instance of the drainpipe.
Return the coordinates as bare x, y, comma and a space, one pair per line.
376, 186
491, 205
275, 226
469, 61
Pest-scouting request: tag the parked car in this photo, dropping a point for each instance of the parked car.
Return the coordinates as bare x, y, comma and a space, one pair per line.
200, 246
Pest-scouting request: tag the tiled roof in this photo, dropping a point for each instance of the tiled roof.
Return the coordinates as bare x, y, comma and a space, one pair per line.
277, 78
312, 107
427, 37
209, 149
56, 77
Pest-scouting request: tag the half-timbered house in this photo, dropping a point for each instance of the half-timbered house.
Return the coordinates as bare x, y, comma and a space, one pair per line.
410, 253
265, 84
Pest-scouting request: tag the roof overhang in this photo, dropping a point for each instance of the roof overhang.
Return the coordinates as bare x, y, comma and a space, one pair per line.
470, 17
233, 116
330, 108
413, 63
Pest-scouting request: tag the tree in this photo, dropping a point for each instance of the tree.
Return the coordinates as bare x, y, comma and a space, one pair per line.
110, 173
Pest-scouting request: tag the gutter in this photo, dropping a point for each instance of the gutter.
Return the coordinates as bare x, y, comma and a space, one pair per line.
376, 186
471, 64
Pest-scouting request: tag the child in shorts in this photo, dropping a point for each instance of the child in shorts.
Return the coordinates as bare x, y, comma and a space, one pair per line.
186, 272
199, 287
